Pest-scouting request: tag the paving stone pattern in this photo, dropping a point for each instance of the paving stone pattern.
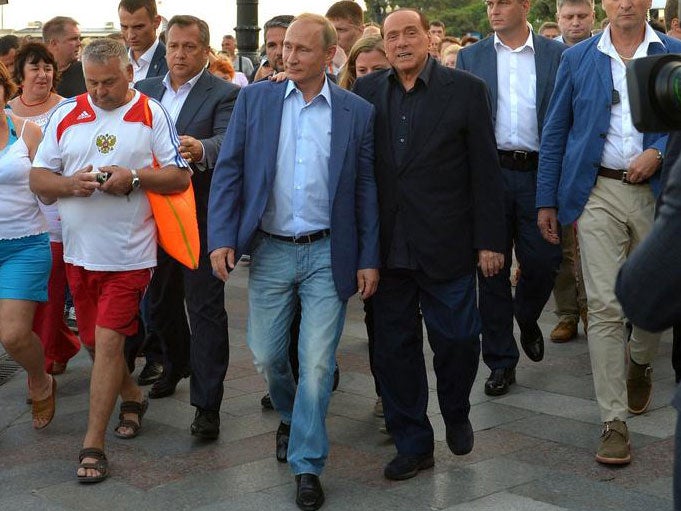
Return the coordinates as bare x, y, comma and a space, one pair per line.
534, 447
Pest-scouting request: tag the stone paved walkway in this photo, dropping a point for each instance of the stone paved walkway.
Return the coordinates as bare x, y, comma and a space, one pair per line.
534, 447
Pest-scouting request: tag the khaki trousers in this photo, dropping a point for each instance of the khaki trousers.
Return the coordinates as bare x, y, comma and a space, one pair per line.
568, 290
616, 218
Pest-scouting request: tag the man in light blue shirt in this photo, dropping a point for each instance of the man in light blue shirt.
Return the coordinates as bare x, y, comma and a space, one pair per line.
305, 208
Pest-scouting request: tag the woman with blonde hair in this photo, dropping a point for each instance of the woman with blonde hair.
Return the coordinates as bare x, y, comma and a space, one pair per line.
366, 56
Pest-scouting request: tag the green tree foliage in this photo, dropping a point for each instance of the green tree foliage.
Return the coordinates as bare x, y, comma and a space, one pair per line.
461, 16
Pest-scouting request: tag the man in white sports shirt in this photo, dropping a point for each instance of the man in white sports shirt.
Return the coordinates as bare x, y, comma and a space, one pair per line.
109, 231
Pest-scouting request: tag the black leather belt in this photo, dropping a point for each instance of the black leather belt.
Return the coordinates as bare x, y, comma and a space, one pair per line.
522, 161
619, 174
300, 240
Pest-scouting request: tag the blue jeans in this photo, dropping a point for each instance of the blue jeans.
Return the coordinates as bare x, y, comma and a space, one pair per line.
280, 271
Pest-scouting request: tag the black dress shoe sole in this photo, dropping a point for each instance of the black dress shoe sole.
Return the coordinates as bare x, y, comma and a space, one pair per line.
311, 507
164, 392
145, 379
423, 465
493, 391
204, 435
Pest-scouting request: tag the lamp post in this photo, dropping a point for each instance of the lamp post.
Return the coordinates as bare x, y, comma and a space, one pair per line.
247, 29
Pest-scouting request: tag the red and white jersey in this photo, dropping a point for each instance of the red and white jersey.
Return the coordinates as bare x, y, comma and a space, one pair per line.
105, 232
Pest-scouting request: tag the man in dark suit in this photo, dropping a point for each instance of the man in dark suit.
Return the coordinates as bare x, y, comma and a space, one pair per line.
200, 105
441, 210
519, 69
139, 22
305, 203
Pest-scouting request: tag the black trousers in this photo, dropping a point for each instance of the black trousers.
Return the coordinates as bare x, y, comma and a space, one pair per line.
539, 261
453, 325
201, 345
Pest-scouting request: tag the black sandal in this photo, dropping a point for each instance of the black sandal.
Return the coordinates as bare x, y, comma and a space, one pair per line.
131, 407
101, 465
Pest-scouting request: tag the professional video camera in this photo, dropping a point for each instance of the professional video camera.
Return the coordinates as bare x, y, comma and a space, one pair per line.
654, 85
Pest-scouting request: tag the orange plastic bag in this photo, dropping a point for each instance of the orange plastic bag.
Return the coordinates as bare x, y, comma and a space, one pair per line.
176, 224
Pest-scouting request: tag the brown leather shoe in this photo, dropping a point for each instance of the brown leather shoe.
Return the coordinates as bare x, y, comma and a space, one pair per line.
564, 331
639, 387
614, 448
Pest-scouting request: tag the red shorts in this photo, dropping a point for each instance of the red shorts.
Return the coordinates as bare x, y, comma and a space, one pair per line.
108, 299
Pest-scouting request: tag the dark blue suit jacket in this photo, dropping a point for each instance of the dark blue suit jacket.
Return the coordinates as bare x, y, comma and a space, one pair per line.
481, 60
205, 115
246, 166
158, 65
576, 127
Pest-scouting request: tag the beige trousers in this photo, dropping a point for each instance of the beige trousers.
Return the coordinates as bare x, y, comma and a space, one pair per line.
616, 218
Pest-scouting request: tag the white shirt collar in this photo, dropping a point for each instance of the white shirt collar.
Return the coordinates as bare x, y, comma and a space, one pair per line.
147, 55
605, 44
528, 44
325, 92
188, 84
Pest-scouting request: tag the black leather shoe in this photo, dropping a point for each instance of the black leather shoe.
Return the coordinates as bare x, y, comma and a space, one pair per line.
165, 386
532, 341
336, 378
266, 402
460, 438
151, 372
309, 493
405, 467
283, 433
206, 424
499, 381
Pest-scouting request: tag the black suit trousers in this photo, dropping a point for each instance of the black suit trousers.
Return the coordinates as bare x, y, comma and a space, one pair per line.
453, 326
539, 261
203, 345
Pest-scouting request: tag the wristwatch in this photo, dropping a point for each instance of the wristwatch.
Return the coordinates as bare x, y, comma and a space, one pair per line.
660, 156
135, 180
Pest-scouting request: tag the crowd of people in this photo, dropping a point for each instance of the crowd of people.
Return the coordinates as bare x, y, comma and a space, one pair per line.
395, 162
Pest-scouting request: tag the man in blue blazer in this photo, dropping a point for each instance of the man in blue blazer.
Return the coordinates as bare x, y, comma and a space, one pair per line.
519, 69
294, 186
201, 119
596, 169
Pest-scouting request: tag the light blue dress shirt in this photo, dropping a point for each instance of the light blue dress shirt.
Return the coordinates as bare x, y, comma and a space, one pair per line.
299, 202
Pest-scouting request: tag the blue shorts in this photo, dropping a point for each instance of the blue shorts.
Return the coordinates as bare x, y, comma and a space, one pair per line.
25, 265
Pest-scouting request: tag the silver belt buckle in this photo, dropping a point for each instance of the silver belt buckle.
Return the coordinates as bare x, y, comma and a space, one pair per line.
516, 155
624, 178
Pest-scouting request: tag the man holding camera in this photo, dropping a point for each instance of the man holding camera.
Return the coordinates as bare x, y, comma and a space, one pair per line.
109, 231
596, 169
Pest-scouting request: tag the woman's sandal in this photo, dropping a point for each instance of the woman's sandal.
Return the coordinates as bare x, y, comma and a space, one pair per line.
131, 407
43, 409
101, 465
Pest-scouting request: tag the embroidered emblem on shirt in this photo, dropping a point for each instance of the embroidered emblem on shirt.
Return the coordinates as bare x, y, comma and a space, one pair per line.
105, 143
83, 115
